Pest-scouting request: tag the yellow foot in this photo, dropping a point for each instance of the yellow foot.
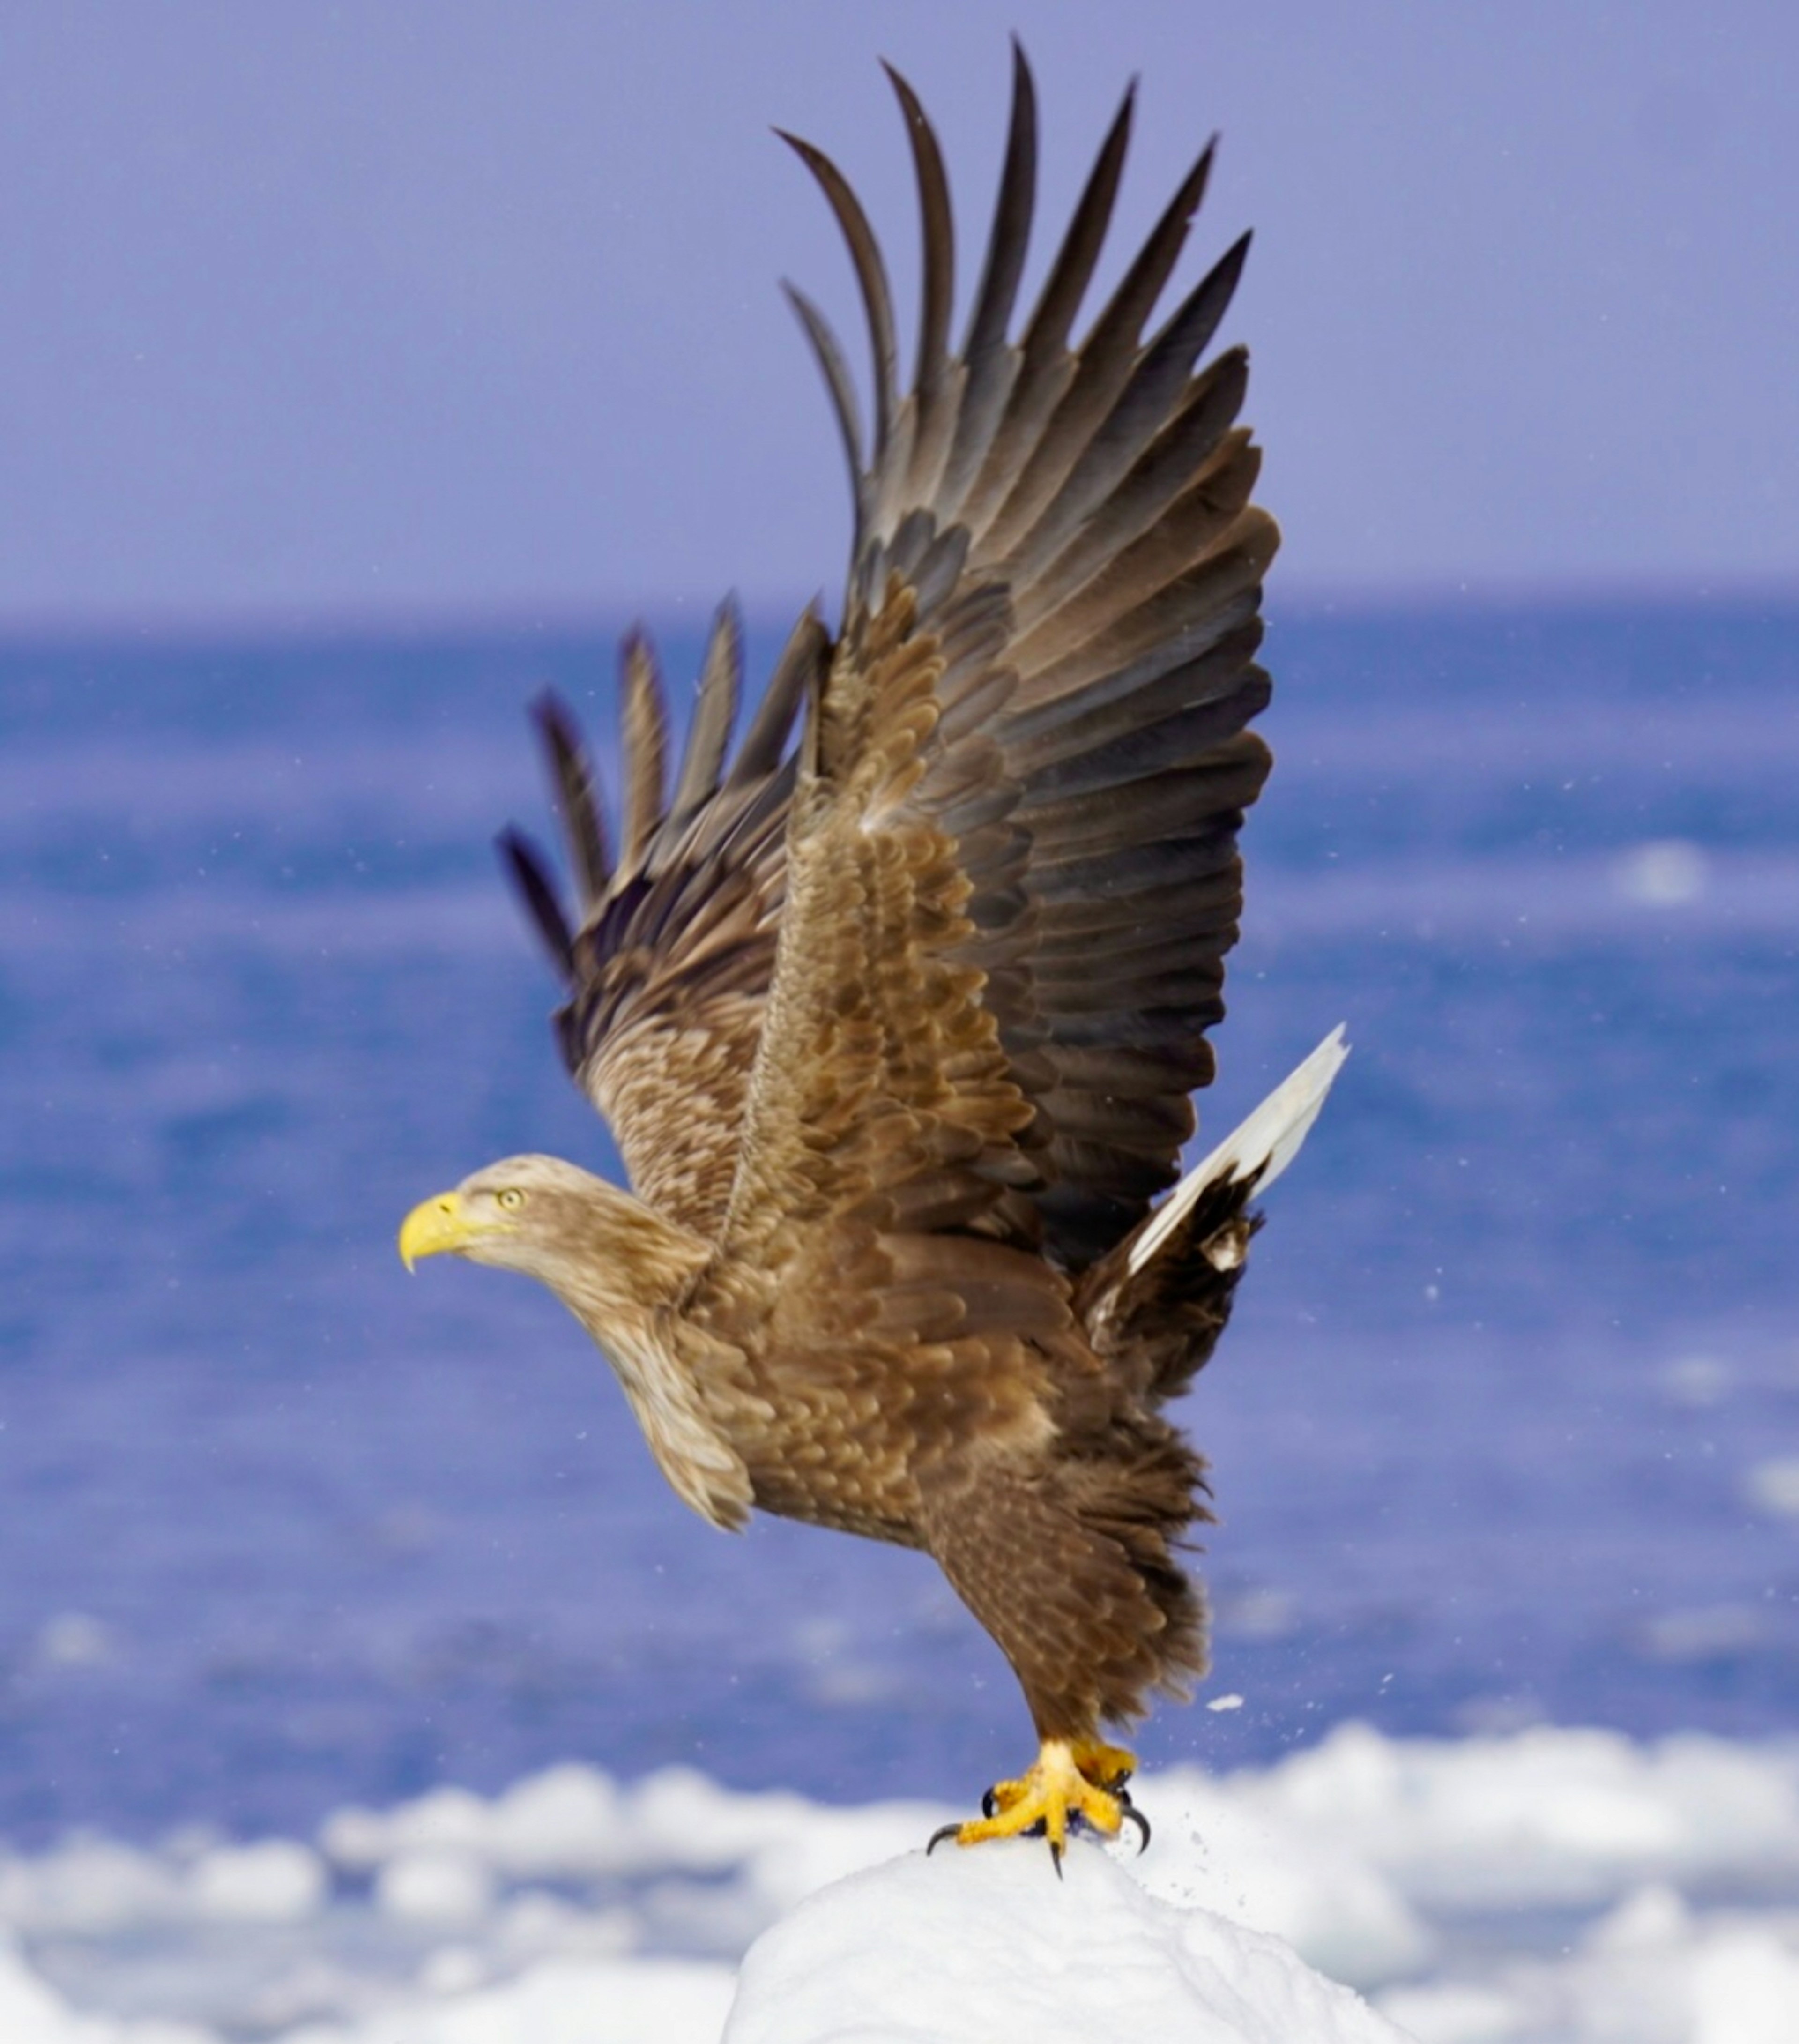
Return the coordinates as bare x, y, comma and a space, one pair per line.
1077, 1780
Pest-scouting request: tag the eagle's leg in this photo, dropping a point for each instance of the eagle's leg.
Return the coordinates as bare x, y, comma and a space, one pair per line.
1089, 1616
1073, 1779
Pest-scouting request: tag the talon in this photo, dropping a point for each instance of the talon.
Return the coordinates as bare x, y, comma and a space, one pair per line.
1075, 1785
1132, 1815
943, 1831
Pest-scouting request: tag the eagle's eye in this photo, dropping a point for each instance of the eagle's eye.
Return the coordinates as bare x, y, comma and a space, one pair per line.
511, 1200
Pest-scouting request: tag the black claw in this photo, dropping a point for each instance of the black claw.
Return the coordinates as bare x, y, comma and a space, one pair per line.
943, 1831
989, 1804
1056, 1857
1132, 1815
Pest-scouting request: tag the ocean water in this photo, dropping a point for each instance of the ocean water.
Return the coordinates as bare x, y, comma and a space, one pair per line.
1507, 1428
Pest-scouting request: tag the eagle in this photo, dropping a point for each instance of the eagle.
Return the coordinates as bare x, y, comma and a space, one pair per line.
895, 1005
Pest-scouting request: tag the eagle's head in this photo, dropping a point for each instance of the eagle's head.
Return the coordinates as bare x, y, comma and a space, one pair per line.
597, 1248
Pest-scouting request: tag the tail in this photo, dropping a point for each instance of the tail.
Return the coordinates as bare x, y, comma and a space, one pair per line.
1154, 1307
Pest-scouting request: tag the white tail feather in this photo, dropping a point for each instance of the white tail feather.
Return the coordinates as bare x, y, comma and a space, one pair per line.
1260, 1147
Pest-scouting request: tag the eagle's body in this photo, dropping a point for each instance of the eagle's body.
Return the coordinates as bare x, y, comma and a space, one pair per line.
897, 1029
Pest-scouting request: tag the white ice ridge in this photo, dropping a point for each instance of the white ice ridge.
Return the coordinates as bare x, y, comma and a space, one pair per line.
1559, 1883
1258, 1149
988, 1944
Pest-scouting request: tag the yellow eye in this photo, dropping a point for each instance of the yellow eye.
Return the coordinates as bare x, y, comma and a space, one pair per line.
511, 1200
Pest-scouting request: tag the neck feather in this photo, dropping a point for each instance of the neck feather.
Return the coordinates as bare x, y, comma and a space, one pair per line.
612, 1258
623, 1275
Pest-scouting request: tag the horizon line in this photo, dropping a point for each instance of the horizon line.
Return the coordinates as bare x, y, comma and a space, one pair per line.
325, 620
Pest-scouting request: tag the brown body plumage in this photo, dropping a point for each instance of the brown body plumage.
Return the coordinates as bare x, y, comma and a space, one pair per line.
897, 1030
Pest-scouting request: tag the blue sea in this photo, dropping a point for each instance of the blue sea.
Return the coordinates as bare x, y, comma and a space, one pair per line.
1506, 1428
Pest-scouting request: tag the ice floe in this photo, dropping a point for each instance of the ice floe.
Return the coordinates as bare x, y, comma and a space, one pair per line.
1548, 1884
989, 1945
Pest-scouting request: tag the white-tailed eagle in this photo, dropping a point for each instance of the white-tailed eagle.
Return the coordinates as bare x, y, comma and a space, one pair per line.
896, 1006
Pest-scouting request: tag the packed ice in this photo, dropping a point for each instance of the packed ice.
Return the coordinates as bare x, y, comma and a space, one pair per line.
1549, 1883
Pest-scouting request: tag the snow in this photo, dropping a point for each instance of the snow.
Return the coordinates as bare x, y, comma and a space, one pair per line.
655, 2001
1544, 1816
1551, 1883
277, 1880
1773, 1486
435, 1887
991, 1944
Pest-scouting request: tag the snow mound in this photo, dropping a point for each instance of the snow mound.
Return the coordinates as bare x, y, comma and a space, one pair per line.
963, 1949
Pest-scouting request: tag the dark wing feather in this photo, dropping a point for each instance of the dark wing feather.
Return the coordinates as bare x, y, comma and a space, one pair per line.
529, 873
668, 957
1055, 547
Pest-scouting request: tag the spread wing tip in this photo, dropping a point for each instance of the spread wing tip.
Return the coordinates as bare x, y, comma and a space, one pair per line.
572, 776
529, 872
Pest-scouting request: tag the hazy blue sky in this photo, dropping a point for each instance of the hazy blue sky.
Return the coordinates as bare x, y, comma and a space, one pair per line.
461, 307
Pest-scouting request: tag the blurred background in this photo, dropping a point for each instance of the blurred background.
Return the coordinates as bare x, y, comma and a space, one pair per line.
362, 369
314, 313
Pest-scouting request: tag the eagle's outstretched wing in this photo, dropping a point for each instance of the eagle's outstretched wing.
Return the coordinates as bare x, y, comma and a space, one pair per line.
1013, 874
667, 964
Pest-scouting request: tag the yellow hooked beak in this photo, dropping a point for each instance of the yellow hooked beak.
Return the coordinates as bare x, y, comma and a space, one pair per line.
437, 1225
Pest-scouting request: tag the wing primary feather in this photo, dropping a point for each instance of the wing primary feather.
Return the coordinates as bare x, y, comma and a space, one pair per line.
1164, 367
1012, 212
1167, 364
1090, 412
1221, 675
529, 872
1044, 366
1194, 320
1072, 270
1120, 324
1117, 490
802, 659
583, 820
1199, 521
644, 717
938, 229
838, 382
715, 712
871, 278
1184, 619
990, 359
